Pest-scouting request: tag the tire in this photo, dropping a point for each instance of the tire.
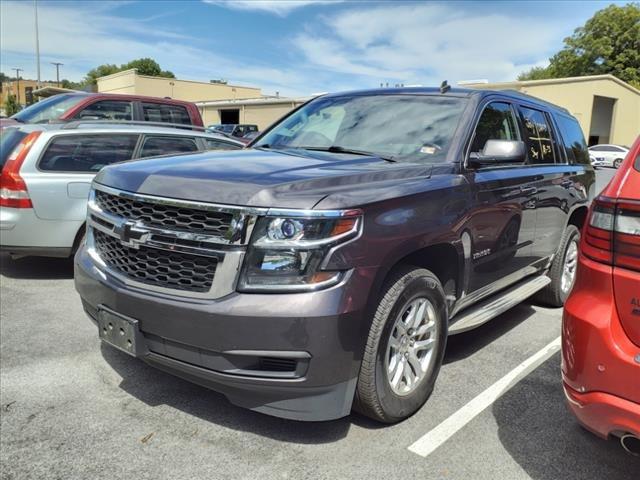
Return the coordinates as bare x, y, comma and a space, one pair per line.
375, 396
554, 295
617, 162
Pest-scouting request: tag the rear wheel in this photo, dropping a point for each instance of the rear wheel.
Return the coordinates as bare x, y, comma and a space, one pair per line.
617, 162
563, 270
404, 348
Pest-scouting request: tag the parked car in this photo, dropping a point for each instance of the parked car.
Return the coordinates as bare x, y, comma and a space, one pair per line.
47, 171
106, 106
601, 323
608, 155
323, 268
234, 130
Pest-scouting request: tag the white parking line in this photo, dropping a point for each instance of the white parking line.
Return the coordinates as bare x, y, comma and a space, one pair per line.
440, 434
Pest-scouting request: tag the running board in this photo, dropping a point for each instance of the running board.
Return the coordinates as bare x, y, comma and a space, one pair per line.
485, 310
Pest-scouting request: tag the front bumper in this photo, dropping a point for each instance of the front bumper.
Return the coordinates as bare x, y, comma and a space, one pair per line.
229, 344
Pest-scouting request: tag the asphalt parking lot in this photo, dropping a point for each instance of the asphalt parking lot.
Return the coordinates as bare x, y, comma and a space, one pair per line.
74, 409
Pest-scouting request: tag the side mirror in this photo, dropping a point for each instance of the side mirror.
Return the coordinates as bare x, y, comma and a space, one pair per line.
499, 151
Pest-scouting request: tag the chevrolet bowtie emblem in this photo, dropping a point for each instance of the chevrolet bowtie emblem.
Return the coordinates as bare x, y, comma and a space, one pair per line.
131, 235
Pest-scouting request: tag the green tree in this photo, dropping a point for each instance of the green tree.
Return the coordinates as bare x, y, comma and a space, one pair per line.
64, 83
145, 66
609, 42
100, 71
4, 78
11, 105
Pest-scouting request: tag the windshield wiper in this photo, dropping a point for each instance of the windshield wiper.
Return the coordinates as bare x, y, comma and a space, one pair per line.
339, 149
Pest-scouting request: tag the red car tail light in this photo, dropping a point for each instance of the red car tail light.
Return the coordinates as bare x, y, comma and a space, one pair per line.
612, 234
626, 238
13, 190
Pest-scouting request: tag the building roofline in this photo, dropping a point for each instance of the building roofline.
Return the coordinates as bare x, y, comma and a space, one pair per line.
252, 101
135, 72
551, 81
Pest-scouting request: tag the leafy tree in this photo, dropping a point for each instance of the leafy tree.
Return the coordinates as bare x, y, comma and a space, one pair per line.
145, 66
64, 83
4, 78
609, 42
11, 105
100, 71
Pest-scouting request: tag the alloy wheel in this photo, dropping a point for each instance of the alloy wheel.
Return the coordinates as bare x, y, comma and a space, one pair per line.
411, 345
569, 267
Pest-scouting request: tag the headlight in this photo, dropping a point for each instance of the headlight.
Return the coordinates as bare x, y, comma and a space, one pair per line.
286, 253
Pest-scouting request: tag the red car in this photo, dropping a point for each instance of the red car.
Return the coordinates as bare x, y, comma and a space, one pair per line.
601, 323
106, 106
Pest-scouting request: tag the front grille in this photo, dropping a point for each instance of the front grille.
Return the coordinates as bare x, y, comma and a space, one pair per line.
167, 217
156, 267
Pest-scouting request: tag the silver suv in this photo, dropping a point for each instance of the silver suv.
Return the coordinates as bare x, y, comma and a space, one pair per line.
47, 172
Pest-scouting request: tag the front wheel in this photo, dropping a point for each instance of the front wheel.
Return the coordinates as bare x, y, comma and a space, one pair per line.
404, 348
617, 162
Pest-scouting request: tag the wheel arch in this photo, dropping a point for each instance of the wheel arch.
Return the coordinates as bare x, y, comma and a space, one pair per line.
578, 216
445, 259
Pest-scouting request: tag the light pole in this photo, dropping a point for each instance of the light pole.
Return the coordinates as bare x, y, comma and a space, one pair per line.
57, 64
18, 70
35, 7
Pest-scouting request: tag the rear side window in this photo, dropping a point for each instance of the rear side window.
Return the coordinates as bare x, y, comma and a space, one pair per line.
164, 145
9, 140
220, 145
158, 112
496, 123
537, 136
573, 140
86, 153
107, 110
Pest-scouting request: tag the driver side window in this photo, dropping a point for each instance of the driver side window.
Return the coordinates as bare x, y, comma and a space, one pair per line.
497, 122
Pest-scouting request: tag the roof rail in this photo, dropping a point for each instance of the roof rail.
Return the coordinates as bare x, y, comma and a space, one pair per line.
77, 123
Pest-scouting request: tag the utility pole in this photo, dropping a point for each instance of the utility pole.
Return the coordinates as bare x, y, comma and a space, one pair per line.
35, 7
18, 70
57, 64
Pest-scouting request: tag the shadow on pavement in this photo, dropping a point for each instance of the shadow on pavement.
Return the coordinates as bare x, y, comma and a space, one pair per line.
539, 432
36, 268
466, 344
154, 387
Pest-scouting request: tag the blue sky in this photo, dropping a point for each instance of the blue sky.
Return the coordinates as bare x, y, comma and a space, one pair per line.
296, 47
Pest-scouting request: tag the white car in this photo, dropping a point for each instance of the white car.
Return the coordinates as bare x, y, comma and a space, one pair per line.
606, 155
47, 172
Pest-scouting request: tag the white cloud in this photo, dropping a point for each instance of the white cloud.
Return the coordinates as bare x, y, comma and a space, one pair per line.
277, 7
83, 38
353, 47
428, 42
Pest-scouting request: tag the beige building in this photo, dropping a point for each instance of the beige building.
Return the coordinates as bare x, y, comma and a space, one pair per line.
257, 111
128, 81
607, 108
22, 89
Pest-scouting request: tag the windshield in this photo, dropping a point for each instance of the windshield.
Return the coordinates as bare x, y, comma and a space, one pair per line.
399, 127
225, 128
50, 109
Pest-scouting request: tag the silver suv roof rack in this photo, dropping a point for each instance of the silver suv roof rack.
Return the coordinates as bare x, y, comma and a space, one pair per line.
78, 123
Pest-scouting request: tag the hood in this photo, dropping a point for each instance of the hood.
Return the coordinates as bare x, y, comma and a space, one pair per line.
256, 178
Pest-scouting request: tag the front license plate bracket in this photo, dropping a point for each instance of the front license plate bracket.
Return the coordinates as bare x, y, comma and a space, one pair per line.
121, 332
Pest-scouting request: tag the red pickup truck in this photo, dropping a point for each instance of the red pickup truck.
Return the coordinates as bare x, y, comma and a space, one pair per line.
106, 106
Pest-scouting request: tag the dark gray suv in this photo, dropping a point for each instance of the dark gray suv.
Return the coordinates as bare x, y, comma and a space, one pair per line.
324, 267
